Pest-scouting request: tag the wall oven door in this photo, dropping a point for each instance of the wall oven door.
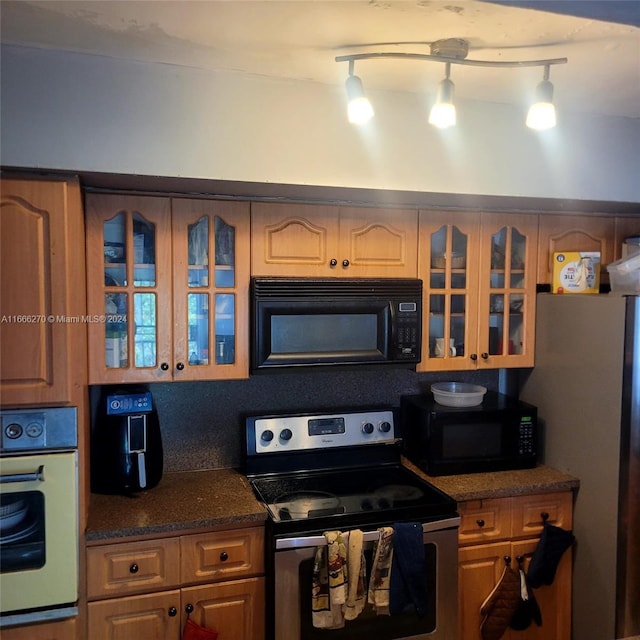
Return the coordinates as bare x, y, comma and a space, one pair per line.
38, 537
293, 567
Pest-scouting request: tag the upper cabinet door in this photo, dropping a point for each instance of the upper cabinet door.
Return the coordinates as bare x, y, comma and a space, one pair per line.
507, 290
210, 289
378, 243
449, 244
129, 278
42, 289
331, 241
293, 239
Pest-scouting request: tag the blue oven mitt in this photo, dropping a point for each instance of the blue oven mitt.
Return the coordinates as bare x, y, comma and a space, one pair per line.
554, 541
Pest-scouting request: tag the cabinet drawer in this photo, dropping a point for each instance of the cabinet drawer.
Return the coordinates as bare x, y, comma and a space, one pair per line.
62, 630
133, 567
530, 512
222, 555
484, 520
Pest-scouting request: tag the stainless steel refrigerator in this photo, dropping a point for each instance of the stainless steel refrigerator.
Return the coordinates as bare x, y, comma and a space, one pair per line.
586, 384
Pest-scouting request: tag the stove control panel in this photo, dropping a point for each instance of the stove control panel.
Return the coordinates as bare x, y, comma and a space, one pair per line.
34, 429
273, 434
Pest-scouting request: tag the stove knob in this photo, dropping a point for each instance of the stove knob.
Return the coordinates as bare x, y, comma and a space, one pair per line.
13, 431
367, 427
286, 434
267, 436
385, 427
367, 505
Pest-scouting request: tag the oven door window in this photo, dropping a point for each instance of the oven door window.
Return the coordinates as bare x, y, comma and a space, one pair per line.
368, 624
22, 531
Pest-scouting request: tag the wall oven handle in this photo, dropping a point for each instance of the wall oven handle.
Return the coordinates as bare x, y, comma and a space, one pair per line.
303, 542
24, 477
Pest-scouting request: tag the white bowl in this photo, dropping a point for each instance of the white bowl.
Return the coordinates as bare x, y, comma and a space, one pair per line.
458, 394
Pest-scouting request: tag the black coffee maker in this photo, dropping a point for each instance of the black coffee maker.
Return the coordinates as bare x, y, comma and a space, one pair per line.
126, 445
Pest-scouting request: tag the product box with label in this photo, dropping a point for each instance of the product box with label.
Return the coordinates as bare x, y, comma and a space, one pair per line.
576, 272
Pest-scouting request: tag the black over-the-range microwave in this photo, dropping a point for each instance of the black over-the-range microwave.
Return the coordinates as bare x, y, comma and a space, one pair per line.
306, 322
497, 435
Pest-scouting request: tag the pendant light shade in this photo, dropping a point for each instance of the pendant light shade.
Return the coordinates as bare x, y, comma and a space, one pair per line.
542, 113
443, 112
359, 109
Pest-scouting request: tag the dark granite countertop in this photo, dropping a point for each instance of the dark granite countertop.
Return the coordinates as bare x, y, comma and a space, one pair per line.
182, 501
222, 498
501, 484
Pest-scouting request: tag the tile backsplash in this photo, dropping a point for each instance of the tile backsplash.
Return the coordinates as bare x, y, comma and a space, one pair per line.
202, 422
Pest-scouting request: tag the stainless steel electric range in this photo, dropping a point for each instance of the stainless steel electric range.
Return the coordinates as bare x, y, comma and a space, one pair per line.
342, 471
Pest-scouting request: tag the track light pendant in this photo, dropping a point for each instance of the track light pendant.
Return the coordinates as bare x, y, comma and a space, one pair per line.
443, 112
542, 113
359, 109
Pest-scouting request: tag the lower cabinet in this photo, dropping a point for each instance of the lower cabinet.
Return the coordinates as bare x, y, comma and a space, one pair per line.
61, 630
215, 578
495, 528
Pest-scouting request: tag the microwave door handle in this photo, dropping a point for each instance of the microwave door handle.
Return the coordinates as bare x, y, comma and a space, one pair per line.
24, 477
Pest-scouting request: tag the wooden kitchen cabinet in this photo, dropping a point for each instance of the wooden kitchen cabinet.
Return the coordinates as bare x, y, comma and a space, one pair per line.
147, 589
60, 630
333, 241
495, 528
479, 273
170, 277
42, 292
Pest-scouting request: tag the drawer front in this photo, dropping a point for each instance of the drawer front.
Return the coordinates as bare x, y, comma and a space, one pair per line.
222, 555
530, 512
133, 567
484, 520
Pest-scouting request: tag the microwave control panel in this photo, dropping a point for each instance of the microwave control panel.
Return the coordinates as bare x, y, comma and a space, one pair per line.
408, 330
526, 437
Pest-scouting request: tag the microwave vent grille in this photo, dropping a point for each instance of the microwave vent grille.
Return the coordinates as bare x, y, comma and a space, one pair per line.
336, 287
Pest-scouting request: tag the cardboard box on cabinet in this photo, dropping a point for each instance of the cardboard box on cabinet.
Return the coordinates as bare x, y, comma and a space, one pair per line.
576, 272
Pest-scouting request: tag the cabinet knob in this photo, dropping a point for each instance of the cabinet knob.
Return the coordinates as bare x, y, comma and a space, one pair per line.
224, 556
189, 608
173, 612
480, 523
180, 366
474, 356
333, 262
484, 356
345, 263
134, 568
545, 516
164, 366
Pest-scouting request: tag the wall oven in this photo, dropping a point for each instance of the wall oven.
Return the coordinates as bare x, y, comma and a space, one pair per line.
302, 322
342, 471
38, 515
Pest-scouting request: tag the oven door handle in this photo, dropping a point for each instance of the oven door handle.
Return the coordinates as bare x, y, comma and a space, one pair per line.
24, 477
304, 542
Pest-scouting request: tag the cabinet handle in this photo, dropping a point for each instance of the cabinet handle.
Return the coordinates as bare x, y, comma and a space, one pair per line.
180, 366
480, 523
345, 263
474, 356
189, 608
134, 568
333, 262
164, 366
224, 556
545, 516
484, 356
173, 612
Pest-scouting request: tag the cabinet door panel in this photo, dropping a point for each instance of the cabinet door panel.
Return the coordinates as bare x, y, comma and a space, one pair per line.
42, 334
293, 240
479, 569
63, 630
484, 520
235, 609
153, 616
378, 242
530, 512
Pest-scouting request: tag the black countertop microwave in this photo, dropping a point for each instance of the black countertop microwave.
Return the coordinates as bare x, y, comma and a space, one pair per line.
309, 322
497, 435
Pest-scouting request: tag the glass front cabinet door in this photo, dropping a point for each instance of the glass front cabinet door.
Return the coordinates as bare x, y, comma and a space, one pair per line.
479, 300
165, 286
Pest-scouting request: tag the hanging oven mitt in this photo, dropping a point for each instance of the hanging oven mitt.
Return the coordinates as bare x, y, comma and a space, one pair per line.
501, 604
193, 631
528, 609
554, 541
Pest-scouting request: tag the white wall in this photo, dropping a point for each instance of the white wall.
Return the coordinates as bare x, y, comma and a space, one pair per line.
86, 113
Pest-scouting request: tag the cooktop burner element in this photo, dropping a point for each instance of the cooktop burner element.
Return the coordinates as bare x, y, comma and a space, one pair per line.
336, 471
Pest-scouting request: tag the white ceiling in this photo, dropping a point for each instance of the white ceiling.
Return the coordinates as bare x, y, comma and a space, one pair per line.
299, 39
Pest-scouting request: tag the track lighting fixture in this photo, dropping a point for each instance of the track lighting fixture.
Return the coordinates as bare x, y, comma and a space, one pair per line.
443, 112
359, 109
541, 115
